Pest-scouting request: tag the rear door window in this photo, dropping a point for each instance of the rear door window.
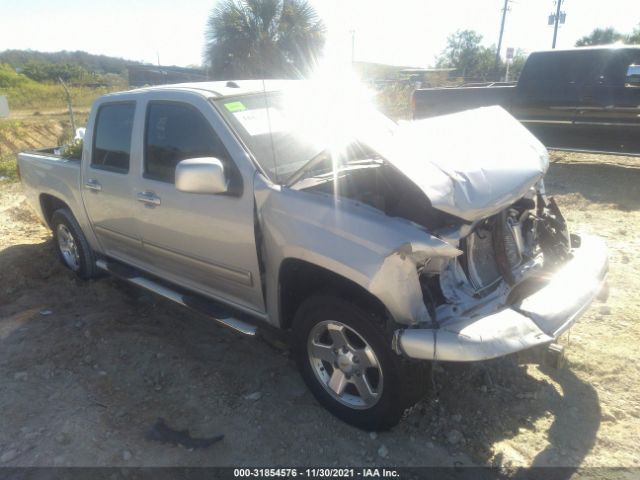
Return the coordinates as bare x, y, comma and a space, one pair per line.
555, 73
176, 132
112, 137
615, 73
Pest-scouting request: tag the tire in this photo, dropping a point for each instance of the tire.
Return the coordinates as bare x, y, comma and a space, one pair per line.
71, 245
390, 383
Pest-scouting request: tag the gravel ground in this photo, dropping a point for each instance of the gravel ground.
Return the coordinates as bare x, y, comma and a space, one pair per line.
86, 368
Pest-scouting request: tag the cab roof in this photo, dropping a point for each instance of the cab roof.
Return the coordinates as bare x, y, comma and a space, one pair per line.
610, 47
225, 88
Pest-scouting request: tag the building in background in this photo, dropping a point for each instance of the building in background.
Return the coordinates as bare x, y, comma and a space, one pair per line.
141, 75
381, 75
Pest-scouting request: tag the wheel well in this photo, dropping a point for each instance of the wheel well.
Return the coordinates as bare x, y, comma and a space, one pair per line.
299, 280
50, 204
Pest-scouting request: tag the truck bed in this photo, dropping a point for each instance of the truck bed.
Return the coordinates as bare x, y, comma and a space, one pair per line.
430, 102
43, 172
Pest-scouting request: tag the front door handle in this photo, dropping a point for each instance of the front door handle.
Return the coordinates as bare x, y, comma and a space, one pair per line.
93, 184
148, 198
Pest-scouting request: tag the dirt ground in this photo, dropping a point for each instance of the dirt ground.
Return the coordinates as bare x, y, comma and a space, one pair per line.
87, 367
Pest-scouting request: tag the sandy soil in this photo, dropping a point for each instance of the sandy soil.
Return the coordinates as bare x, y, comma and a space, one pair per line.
87, 367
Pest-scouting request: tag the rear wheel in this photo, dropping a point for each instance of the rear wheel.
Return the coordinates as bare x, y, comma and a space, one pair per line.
346, 360
72, 246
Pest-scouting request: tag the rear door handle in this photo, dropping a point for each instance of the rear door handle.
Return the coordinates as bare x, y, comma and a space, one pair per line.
148, 198
93, 184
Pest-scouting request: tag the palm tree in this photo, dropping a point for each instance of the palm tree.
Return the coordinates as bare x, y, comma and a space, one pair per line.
263, 39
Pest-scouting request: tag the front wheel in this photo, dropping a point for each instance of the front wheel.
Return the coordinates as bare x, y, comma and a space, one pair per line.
346, 360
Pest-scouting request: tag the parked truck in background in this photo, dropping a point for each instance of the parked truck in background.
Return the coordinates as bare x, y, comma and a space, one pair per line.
584, 98
379, 247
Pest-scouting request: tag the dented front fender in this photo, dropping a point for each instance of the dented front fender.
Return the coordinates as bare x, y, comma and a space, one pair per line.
379, 253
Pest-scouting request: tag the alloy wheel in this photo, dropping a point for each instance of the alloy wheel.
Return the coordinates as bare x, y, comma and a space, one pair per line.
68, 247
345, 364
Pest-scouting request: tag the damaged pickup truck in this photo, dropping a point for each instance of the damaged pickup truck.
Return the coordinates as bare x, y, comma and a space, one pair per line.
379, 247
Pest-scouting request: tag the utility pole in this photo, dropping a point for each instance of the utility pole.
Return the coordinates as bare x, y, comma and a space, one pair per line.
504, 17
557, 22
69, 105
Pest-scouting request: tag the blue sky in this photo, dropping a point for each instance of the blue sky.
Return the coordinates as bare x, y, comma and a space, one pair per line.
401, 32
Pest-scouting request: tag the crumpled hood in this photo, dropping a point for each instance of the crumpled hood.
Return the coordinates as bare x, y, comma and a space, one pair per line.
470, 164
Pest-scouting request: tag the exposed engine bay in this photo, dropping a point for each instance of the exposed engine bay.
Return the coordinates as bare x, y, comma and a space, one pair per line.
508, 255
500, 252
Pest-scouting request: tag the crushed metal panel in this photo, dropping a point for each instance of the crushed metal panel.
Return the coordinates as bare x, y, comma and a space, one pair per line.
470, 164
538, 319
472, 340
397, 286
553, 308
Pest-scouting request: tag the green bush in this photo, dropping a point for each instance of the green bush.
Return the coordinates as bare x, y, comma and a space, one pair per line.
10, 79
394, 101
73, 149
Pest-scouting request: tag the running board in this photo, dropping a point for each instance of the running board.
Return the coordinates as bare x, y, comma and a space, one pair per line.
201, 305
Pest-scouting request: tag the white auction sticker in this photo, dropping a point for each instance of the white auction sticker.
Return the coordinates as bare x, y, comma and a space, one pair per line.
258, 121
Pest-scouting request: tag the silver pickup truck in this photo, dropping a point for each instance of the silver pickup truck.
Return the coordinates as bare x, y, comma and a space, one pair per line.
379, 247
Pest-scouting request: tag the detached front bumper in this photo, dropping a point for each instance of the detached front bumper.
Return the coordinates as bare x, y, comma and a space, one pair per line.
538, 319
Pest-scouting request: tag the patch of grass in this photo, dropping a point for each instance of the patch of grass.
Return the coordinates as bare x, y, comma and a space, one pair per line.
41, 96
9, 125
9, 129
8, 169
24, 93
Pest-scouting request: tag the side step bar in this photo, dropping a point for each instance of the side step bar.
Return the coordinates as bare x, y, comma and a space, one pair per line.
201, 305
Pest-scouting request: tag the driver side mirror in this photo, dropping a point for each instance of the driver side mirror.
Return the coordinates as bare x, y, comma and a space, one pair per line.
633, 76
201, 175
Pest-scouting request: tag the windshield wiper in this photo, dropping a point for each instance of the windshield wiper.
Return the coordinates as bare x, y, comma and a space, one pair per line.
355, 154
299, 174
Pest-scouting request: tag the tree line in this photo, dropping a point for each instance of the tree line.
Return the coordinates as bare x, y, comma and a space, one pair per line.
605, 36
473, 61
276, 39
75, 67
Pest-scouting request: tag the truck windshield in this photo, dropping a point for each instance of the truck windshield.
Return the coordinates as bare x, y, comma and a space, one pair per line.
285, 130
